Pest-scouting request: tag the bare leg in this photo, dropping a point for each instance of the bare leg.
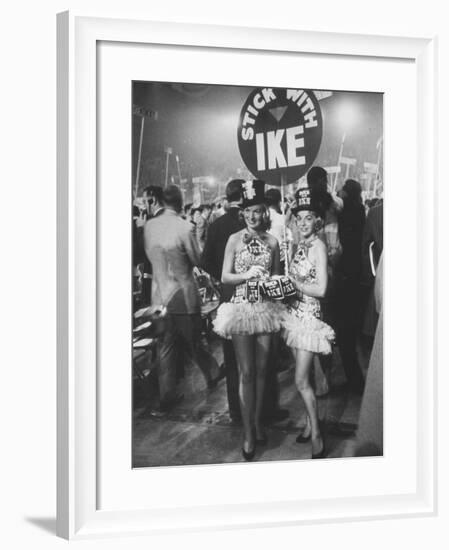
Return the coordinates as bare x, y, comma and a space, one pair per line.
262, 354
318, 376
304, 360
244, 351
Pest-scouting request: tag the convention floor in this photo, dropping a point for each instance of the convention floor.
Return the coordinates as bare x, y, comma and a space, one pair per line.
198, 430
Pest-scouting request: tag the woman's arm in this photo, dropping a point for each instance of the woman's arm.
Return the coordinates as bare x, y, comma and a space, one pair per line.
338, 202
227, 275
318, 288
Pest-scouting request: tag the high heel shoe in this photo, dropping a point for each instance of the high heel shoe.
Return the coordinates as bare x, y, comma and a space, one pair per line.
248, 456
302, 439
322, 453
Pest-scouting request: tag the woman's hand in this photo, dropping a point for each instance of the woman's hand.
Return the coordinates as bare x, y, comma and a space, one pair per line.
298, 284
255, 272
141, 219
284, 247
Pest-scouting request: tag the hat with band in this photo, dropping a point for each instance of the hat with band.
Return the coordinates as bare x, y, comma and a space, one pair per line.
305, 199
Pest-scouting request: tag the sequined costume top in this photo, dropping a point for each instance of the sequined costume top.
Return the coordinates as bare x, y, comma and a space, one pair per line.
304, 271
254, 252
249, 312
302, 327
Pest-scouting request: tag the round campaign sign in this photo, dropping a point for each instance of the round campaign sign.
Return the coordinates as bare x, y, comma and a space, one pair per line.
280, 133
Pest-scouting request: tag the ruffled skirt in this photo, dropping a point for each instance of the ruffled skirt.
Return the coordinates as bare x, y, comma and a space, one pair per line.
248, 318
303, 330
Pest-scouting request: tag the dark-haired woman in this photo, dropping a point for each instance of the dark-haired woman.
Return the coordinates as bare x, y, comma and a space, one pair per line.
251, 255
303, 329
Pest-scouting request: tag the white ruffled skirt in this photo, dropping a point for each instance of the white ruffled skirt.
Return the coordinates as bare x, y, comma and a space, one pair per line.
302, 329
248, 318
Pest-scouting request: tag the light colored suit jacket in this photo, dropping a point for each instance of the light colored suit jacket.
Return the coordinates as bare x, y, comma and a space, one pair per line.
171, 247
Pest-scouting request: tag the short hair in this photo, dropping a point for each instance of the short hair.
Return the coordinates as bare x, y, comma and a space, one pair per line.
155, 191
353, 189
316, 176
234, 190
317, 181
273, 197
205, 205
172, 197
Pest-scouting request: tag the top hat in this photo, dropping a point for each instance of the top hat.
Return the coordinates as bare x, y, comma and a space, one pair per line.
305, 200
253, 193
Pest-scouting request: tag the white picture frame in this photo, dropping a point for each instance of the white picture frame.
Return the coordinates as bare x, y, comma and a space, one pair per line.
78, 510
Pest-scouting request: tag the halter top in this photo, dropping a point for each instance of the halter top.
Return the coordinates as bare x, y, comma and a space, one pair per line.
301, 267
303, 270
254, 252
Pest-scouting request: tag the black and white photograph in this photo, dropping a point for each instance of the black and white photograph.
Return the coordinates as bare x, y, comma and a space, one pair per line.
214, 333
257, 216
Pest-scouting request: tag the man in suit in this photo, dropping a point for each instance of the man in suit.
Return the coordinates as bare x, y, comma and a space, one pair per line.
212, 262
348, 295
173, 252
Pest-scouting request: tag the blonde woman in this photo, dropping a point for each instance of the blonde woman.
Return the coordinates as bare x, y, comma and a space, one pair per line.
249, 319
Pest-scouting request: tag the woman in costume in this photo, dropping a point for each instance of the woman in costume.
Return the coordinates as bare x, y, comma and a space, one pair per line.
251, 256
303, 329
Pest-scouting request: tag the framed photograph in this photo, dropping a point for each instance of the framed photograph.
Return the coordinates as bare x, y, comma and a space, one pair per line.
155, 430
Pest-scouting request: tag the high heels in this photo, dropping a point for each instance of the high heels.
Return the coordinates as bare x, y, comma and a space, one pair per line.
301, 438
322, 453
249, 455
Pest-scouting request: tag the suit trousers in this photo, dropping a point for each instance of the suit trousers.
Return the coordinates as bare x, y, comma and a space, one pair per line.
348, 327
182, 333
232, 379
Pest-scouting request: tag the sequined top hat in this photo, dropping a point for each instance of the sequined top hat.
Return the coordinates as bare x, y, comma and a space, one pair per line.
253, 193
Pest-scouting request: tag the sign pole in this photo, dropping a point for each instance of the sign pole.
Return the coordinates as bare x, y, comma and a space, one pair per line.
136, 186
143, 113
179, 170
340, 154
284, 182
379, 151
166, 167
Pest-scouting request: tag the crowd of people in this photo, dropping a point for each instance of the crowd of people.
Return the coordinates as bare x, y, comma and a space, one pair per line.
296, 278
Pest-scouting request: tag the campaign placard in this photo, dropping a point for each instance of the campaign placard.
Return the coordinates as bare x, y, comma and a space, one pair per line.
278, 287
279, 133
